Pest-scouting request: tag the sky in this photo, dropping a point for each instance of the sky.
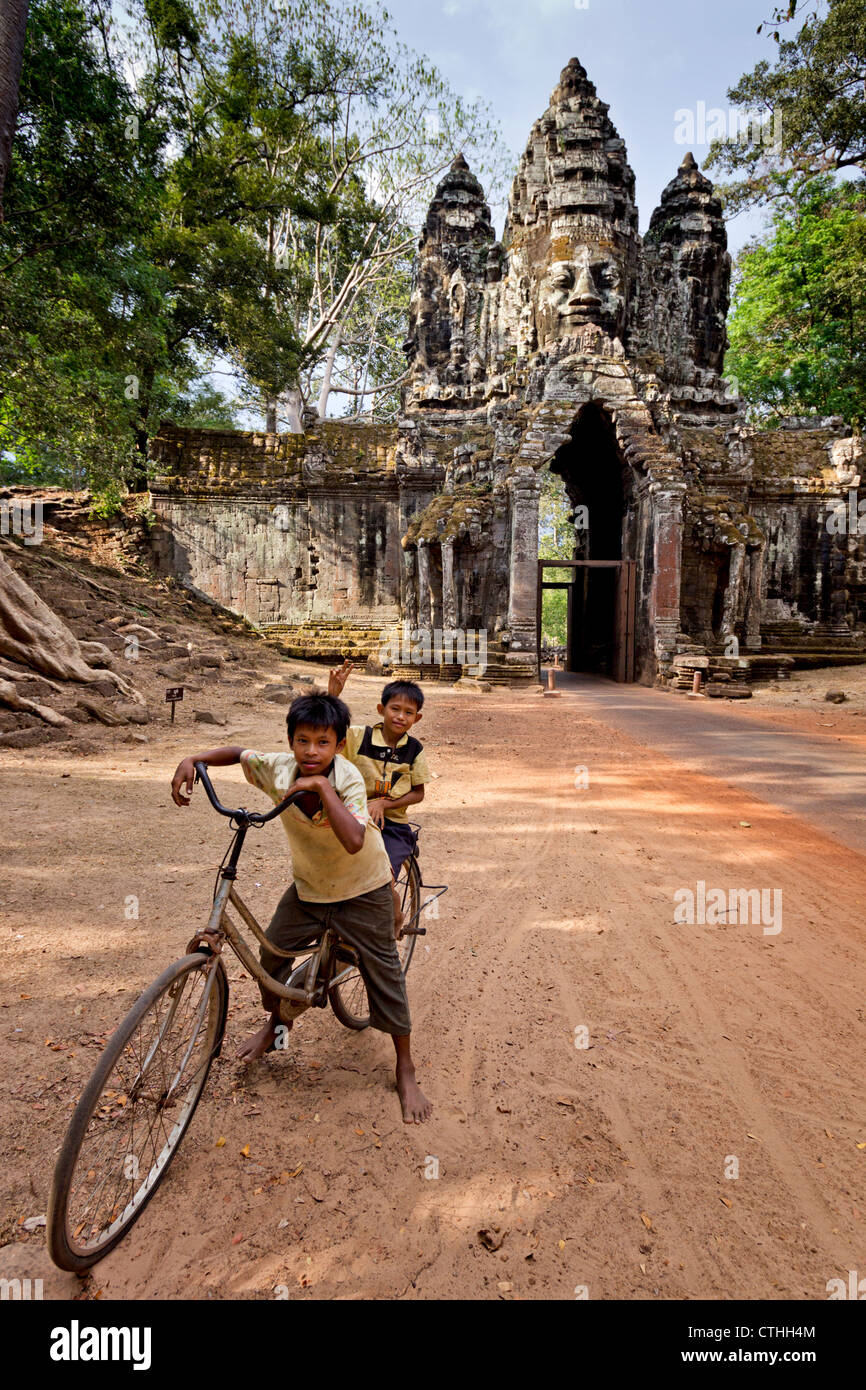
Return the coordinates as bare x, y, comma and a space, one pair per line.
648, 60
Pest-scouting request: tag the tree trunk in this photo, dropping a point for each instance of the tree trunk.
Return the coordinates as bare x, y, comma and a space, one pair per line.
34, 636
294, 403
329, 372
270, 416
13, 26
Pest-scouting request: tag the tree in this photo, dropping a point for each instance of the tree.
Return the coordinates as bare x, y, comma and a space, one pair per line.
344, 177
814, 96
13, 26
556, 541
92, 350
797, 328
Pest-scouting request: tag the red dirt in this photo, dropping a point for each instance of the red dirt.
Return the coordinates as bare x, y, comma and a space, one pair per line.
601, 1167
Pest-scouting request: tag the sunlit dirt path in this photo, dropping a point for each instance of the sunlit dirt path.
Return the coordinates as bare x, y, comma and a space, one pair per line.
596, 1067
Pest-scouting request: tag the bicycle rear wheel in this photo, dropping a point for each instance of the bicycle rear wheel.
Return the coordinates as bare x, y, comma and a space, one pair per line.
135, 1110
349, 997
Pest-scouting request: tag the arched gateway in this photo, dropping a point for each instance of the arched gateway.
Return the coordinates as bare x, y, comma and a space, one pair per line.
576, 345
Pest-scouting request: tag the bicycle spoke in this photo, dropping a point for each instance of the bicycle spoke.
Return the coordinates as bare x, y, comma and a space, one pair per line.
142, 1108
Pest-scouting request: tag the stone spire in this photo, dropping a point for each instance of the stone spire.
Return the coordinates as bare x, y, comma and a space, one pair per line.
689, 209
458, 213
571, 232
686, 251
575, 163
457, 258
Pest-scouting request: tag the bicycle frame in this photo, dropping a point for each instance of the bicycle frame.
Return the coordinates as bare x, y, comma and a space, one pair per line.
312, 980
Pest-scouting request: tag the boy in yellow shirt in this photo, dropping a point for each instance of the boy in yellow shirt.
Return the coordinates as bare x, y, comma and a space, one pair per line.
341, 873
393, 766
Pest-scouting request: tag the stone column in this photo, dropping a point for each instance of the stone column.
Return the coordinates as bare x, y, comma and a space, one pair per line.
449, 597
410, 588
732, 592
753, 598
666, 501
525, 488
423, 587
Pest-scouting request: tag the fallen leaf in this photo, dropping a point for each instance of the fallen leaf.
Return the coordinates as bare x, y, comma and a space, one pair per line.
746, 823
829, 1135
220, 1143
245, 1151
360, 1132
236, 1240
647, 1220
561, 1244
32, 1223
727, 1201
861, 1146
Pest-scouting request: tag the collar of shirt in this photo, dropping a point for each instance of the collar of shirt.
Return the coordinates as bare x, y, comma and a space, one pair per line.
378, 727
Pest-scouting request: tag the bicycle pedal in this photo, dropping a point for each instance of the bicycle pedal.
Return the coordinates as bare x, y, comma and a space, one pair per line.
414, 931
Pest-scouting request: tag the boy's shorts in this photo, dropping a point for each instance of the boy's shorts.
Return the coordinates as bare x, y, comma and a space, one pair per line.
365, 922
399, 841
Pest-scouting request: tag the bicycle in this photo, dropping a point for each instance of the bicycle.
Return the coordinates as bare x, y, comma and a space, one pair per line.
138, 1104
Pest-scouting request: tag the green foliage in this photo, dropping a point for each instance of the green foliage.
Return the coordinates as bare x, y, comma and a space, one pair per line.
235, 179
91, 350
798, 323
556, 538
816, 94
108, 501
556, 541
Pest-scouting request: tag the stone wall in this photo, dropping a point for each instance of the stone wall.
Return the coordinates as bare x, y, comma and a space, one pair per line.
574, 345
290, 531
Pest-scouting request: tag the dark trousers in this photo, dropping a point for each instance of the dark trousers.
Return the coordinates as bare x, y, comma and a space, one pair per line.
366, 923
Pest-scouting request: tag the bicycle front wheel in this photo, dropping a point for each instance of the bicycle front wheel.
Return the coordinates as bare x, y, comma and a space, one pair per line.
135, 1110
349, 996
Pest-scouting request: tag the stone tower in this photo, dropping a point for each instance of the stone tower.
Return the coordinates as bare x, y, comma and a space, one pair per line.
574, 346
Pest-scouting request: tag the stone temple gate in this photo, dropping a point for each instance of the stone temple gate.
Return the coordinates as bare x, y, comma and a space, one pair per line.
572, 345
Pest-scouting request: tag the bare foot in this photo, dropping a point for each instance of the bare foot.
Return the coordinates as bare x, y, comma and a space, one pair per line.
415, 1105
261, 1042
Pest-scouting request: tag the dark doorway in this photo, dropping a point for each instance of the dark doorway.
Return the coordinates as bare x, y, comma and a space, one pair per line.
606, 643
601, 583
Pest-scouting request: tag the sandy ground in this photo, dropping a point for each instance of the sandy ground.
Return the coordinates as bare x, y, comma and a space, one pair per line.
600, 1167
801, 703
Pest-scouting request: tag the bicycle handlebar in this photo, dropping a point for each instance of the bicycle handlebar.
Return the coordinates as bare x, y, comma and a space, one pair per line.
248, 817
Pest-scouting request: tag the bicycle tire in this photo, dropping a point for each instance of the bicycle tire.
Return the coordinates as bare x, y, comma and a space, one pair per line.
65, 1225
349, 997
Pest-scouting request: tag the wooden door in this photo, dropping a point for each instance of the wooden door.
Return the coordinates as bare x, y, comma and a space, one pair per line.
624, 608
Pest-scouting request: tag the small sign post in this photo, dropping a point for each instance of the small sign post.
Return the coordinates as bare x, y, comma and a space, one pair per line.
174, 693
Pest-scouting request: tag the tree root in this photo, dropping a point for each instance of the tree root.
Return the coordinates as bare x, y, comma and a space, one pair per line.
9, 696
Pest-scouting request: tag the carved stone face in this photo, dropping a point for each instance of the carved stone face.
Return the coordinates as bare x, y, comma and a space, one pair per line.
589, 289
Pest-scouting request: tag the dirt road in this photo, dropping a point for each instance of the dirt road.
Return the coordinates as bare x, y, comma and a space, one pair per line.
597, 1068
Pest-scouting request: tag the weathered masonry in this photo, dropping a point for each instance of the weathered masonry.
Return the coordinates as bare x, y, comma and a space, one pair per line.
572, 345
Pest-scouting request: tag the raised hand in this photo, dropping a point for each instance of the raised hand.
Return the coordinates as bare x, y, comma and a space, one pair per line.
338, 676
